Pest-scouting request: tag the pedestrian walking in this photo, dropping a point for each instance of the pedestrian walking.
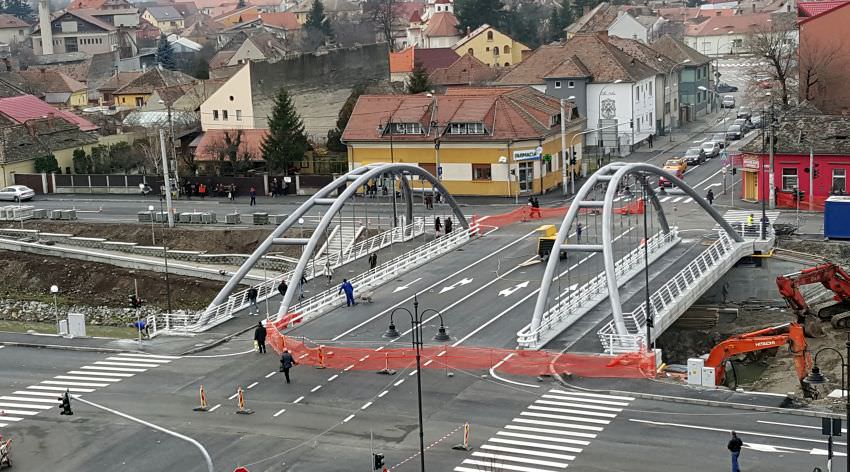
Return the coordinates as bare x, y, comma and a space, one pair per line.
231, 194
578, 232
253, 193
252, 300
349, 292
373, 260
282, 288
274, 187
286, 363
750, 219
429, 202
734, 447
202, 190
649, 140
535, 207
448, 225
301, 286
260, 337
438, 226
710, 197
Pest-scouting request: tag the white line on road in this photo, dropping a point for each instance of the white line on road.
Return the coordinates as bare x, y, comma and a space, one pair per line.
215, 408
150, 356
707, 179
233, 396
26, 405
443, 280
297, 400
383, 393
131, 361
4, 412
270, 374
722, 430
399, 382
62, 389
348, 418
366, 405
37, 400
125, 364
107, 374
74, 384
333, 377
253, 385
794, 425
93, 379
348, 368
317, 387
30, 392
112, 369
280, 412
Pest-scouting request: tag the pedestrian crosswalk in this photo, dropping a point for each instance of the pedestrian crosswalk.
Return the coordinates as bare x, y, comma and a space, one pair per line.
34, 399
549, 435
664, 199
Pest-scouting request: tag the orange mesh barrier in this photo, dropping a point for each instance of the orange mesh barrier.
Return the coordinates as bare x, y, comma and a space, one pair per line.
527, 213
636, 207
786, 200
508, 361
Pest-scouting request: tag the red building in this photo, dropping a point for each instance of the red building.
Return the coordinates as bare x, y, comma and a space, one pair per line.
824, 54
799, 141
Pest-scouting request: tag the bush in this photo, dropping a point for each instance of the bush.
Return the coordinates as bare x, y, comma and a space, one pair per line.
47, 164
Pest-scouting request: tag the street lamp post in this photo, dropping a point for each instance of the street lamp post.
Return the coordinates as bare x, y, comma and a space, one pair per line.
416, 338
564, 151
389, 129
165, 257
816, 378
649, 316
54, 289
153, 236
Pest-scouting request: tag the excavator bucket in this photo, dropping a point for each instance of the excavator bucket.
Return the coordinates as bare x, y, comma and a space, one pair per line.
811, 325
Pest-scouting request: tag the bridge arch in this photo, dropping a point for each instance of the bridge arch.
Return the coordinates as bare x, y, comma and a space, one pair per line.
344, 187
611, 176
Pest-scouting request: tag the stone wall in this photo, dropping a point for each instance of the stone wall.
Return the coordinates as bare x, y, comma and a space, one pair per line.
40, 312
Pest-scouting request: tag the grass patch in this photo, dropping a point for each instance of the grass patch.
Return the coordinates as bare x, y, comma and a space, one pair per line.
50, 328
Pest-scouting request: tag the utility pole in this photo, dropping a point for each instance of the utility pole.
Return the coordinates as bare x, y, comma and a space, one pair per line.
563, 150
166, 179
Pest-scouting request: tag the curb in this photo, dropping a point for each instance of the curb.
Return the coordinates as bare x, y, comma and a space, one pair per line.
71, 348
711, 403
216, 343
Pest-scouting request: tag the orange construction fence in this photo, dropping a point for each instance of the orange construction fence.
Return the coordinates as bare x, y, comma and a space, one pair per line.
787, 200
508, 361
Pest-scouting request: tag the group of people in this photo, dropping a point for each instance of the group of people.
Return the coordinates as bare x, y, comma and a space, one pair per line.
200, 189
277, 187
534, 205
438, 226
286, 359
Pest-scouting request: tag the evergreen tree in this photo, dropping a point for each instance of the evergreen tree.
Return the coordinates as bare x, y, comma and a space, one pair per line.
317, 20
418, 80
165, 54
19, 8
286, 142
562, 16
474, 13
335, 135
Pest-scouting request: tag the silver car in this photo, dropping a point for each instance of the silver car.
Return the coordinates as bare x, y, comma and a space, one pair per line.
16, 193
711, 149
728, 102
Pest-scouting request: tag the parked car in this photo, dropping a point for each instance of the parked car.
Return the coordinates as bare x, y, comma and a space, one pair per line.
676, 164
725, 88
744, 123
17, 193
757, 121
735, 132
728, 102
720, 139
695, 156
711, 149
744, 112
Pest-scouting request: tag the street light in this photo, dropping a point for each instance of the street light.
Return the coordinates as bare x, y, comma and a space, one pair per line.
165, 257
816, 378
55, 291
564, 151
416, 338
436, 124
153, 237
664, 92
173, 152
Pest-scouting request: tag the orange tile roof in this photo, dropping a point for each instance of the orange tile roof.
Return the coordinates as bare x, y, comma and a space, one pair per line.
51, 81
283, 20
817, 9
442, 24
517, 113
401, 61
212, 143
11, 21
720, 25
466, 70
86, 4
431, 59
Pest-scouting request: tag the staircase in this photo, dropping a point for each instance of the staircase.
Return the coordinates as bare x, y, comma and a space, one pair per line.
341, 238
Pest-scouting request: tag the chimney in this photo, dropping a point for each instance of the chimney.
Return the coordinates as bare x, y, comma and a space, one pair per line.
50, 119
44, 24
468, 30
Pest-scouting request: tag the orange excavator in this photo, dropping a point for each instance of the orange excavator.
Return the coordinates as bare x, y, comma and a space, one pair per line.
767, 338
830, 276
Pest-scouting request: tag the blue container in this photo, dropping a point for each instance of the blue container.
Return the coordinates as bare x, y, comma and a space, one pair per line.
836, 218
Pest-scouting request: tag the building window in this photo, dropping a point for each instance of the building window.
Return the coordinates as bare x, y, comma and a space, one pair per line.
506, 49
215, 115
224, 115
238, 115
839, 181
650, 89
481, 172
489, 36
507, 64
466, 128
496, 51
789, 179
487, 49
140, 102
736, 43
557, 84
470, 51
571, 84
407, 128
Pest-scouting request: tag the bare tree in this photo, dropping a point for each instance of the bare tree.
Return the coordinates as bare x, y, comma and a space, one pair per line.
776, 45
820, 67
149, 148
226, 153
383, 13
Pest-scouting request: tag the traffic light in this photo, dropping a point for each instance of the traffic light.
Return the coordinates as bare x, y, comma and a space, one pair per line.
65, 404
378, 461
734, 171
572, 158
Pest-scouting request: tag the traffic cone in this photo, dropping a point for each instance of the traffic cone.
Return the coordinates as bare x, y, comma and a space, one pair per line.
203, 406
321, 358
386, 370
242, 410
464, 446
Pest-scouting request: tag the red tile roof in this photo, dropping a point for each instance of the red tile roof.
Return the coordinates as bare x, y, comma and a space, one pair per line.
283, 20
51, 81
430, 58
212, 142
467, 70
720, 25
27, 107
517, 113
816, 9
11, 21
442, 24
86, 4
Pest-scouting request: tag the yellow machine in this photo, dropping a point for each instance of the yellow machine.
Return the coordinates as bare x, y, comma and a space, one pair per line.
546, 241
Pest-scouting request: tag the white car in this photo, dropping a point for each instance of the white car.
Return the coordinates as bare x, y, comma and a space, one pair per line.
711, 149
16, 193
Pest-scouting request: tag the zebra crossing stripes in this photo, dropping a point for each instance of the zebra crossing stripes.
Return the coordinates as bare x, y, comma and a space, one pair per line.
43, 396
549, 435
667, 199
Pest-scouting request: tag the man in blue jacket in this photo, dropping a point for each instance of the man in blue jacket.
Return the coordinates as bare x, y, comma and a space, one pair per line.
349, 292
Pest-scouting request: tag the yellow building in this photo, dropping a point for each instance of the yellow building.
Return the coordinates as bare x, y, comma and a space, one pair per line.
498, 141
166, 18
491, 47
137, 91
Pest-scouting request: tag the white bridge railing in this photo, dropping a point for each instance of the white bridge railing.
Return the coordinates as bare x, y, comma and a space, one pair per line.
184, 324
678, 294
576, 303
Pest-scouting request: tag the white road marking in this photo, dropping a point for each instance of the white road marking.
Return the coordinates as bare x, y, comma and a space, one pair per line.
383, 393
665, 199
457, 272
510, 290
26, 405
533, 429
557, 424
150, 356
112, 369
95, 379
134, 362
280, 412
793, 425
461, 282
366, 405
4, 412
542, 438
297, 400
572, 411
706, 428
215, 408
348, 418
399, 382
74, 384
411, 374
707, 179
270, 374
579, 405
689, 200
716, 184
333, 377
107, 374
253, 385
678, 199
37, 400
11, 418
552, 416
348, 368
30, 392
62, 389
551, 455
317, 387
593, 395
586, 400
497, 458
233, 396
124, 364
407, 285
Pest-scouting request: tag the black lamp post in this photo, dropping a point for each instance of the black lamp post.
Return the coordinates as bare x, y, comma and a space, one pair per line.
649, 317
816, 378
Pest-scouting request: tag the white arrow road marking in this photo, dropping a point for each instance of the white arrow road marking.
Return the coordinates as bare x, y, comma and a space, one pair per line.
404, 287
463, 281
823, 452
770, 448
716, 184
510, 290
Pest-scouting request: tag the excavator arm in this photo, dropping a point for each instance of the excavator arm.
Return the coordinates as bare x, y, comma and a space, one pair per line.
832, 277
767, 338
